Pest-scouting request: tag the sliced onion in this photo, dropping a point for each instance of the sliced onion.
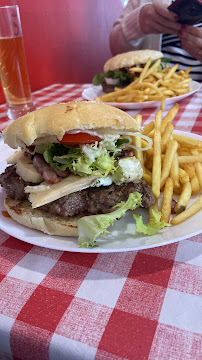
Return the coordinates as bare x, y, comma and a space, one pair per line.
128, 136
110, 81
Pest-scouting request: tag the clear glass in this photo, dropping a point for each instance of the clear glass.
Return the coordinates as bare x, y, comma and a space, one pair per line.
13, 67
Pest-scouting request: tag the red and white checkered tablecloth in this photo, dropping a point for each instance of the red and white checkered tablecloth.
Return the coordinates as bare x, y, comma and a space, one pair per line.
131, 305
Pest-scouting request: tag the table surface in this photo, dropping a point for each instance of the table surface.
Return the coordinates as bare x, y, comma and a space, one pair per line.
130, 305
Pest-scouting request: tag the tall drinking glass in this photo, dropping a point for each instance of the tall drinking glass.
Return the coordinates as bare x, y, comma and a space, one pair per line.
13, 68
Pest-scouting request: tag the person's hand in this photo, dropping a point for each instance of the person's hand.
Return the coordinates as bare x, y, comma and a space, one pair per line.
191, 40
155, 18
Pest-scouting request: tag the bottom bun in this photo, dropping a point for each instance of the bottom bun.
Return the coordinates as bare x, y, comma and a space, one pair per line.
22, 212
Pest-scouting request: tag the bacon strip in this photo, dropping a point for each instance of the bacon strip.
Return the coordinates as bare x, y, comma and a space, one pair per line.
49, 173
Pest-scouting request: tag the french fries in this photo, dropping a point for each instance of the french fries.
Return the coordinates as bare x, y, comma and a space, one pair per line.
196, 206
174, 173
195, 185
137, 142
167, 200
156, 169
169, 117
183, 176
190, 159
198, 168
173, 168
187, 141
148, 128
168, 159
151, 84
184, 198
166, 134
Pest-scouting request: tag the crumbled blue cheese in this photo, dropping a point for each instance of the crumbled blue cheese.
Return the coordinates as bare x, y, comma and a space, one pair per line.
103, 181
131, 171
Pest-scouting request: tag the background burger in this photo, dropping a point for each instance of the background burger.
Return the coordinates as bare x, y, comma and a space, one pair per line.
76, 159
116, 71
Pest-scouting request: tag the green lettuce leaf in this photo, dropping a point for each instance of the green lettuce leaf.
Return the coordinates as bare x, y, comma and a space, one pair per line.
121, 141
90, 227
98, 79
153, 227
162, 64
123, 76
92, 159
52, 150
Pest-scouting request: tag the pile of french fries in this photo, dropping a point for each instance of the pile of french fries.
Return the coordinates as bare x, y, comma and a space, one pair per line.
151, 84
173, 166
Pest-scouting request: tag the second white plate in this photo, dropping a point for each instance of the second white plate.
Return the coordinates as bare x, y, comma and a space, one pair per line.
95, 91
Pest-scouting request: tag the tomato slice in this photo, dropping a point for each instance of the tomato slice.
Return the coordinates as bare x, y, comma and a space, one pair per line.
79, 138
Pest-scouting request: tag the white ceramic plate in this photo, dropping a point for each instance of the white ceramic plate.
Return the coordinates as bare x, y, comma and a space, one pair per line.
122, 237
94, 91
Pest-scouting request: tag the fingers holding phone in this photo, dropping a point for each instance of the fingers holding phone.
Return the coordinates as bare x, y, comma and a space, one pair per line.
155, 18
189, 12
191, 40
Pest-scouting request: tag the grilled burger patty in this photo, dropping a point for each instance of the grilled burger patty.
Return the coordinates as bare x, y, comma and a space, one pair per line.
107, 88
94, 200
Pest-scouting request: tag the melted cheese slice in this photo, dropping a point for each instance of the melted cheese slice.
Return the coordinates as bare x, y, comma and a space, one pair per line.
13, 159
51, 192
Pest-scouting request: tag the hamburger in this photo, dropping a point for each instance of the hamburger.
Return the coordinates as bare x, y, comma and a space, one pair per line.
117, 70
74, 160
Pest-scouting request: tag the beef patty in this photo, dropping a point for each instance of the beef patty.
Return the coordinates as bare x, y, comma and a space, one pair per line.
92, 200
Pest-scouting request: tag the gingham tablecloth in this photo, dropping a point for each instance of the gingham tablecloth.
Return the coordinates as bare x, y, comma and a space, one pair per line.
130, 305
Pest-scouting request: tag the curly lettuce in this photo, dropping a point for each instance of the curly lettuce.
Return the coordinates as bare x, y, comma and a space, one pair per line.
93, 226
96, 159
153, 226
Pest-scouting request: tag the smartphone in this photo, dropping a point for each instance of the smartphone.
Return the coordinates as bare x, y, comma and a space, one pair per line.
188, 11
